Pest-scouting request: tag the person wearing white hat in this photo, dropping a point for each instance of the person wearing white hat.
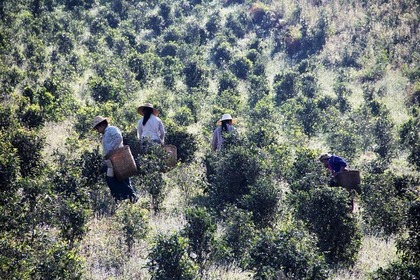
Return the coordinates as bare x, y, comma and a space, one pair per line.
112, 139
225, 125
150, 129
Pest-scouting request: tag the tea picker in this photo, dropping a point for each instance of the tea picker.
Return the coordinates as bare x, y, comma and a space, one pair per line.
341, 175
119, 164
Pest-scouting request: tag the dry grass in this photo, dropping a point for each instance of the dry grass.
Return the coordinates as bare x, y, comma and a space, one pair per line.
375, 253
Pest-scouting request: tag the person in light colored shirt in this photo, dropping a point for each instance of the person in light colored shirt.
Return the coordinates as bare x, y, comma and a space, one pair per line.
111, 140
150, 129
225, 125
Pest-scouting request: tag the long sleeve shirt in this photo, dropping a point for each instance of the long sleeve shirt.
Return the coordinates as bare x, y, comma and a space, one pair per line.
153, 129
111, 140
217, 141
336, 163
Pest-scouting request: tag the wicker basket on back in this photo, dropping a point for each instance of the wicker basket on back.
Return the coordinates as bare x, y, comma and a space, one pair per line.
123, 163
349, 179
172, 155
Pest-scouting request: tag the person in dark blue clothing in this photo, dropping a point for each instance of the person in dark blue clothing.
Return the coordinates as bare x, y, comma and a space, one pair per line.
334, 163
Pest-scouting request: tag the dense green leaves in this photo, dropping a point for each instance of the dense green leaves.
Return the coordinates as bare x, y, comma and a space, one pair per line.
169, 258
301, 79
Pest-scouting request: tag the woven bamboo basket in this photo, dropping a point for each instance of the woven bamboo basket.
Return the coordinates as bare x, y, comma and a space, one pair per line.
123, 163
172, 158
349, 179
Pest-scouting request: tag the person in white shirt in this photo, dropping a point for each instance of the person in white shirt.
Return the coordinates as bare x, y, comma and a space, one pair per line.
111, 140
150, 129
225, 125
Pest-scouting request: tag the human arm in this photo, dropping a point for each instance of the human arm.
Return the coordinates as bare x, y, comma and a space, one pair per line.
139, 128
161, 132
112, 140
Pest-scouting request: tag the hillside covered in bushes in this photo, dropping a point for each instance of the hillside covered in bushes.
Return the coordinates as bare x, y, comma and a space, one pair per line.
302, 78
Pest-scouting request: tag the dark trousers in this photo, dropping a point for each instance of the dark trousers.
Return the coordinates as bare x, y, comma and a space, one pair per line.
120, 190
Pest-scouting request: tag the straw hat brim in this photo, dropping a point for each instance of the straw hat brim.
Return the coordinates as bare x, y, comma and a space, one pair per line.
140, 110
234, 120
324, 157
99, 122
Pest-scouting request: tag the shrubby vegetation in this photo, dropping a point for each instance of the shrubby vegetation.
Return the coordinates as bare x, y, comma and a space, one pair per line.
302, 78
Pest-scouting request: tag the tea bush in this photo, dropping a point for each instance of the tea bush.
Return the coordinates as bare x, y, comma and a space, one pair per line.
185, 142
168, 258
229, 183
151, 165
325, 211
263, 202
201, 233
288, 252
410, 139
238, 238
386, 199
408, 265
134, 222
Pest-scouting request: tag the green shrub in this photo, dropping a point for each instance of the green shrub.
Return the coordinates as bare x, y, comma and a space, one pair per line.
238, 237
385, 207
235, 24
410, 139
151, 166
241, 66
222, 53
288, 253
134, 223
326, 213
309, 116
263, 202
228, 182
227, 81
57, 260
410, 246
285, 86
9, 163
73, 214
145, 66
155, 22
195, 75
258, 89
343, 92
185, 142
397, 270
200, 231
213, 25
29, 145
168, 49
183, 116
304, 166
263, 133
168, 259
308, 85
227, 101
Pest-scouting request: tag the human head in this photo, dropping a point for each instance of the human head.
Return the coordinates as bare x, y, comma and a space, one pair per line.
142, 109
226, 118
324, 158
99, 123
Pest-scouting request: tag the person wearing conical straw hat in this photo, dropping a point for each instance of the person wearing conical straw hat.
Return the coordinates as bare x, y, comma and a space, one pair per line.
150, 129
112, 139
225, 125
